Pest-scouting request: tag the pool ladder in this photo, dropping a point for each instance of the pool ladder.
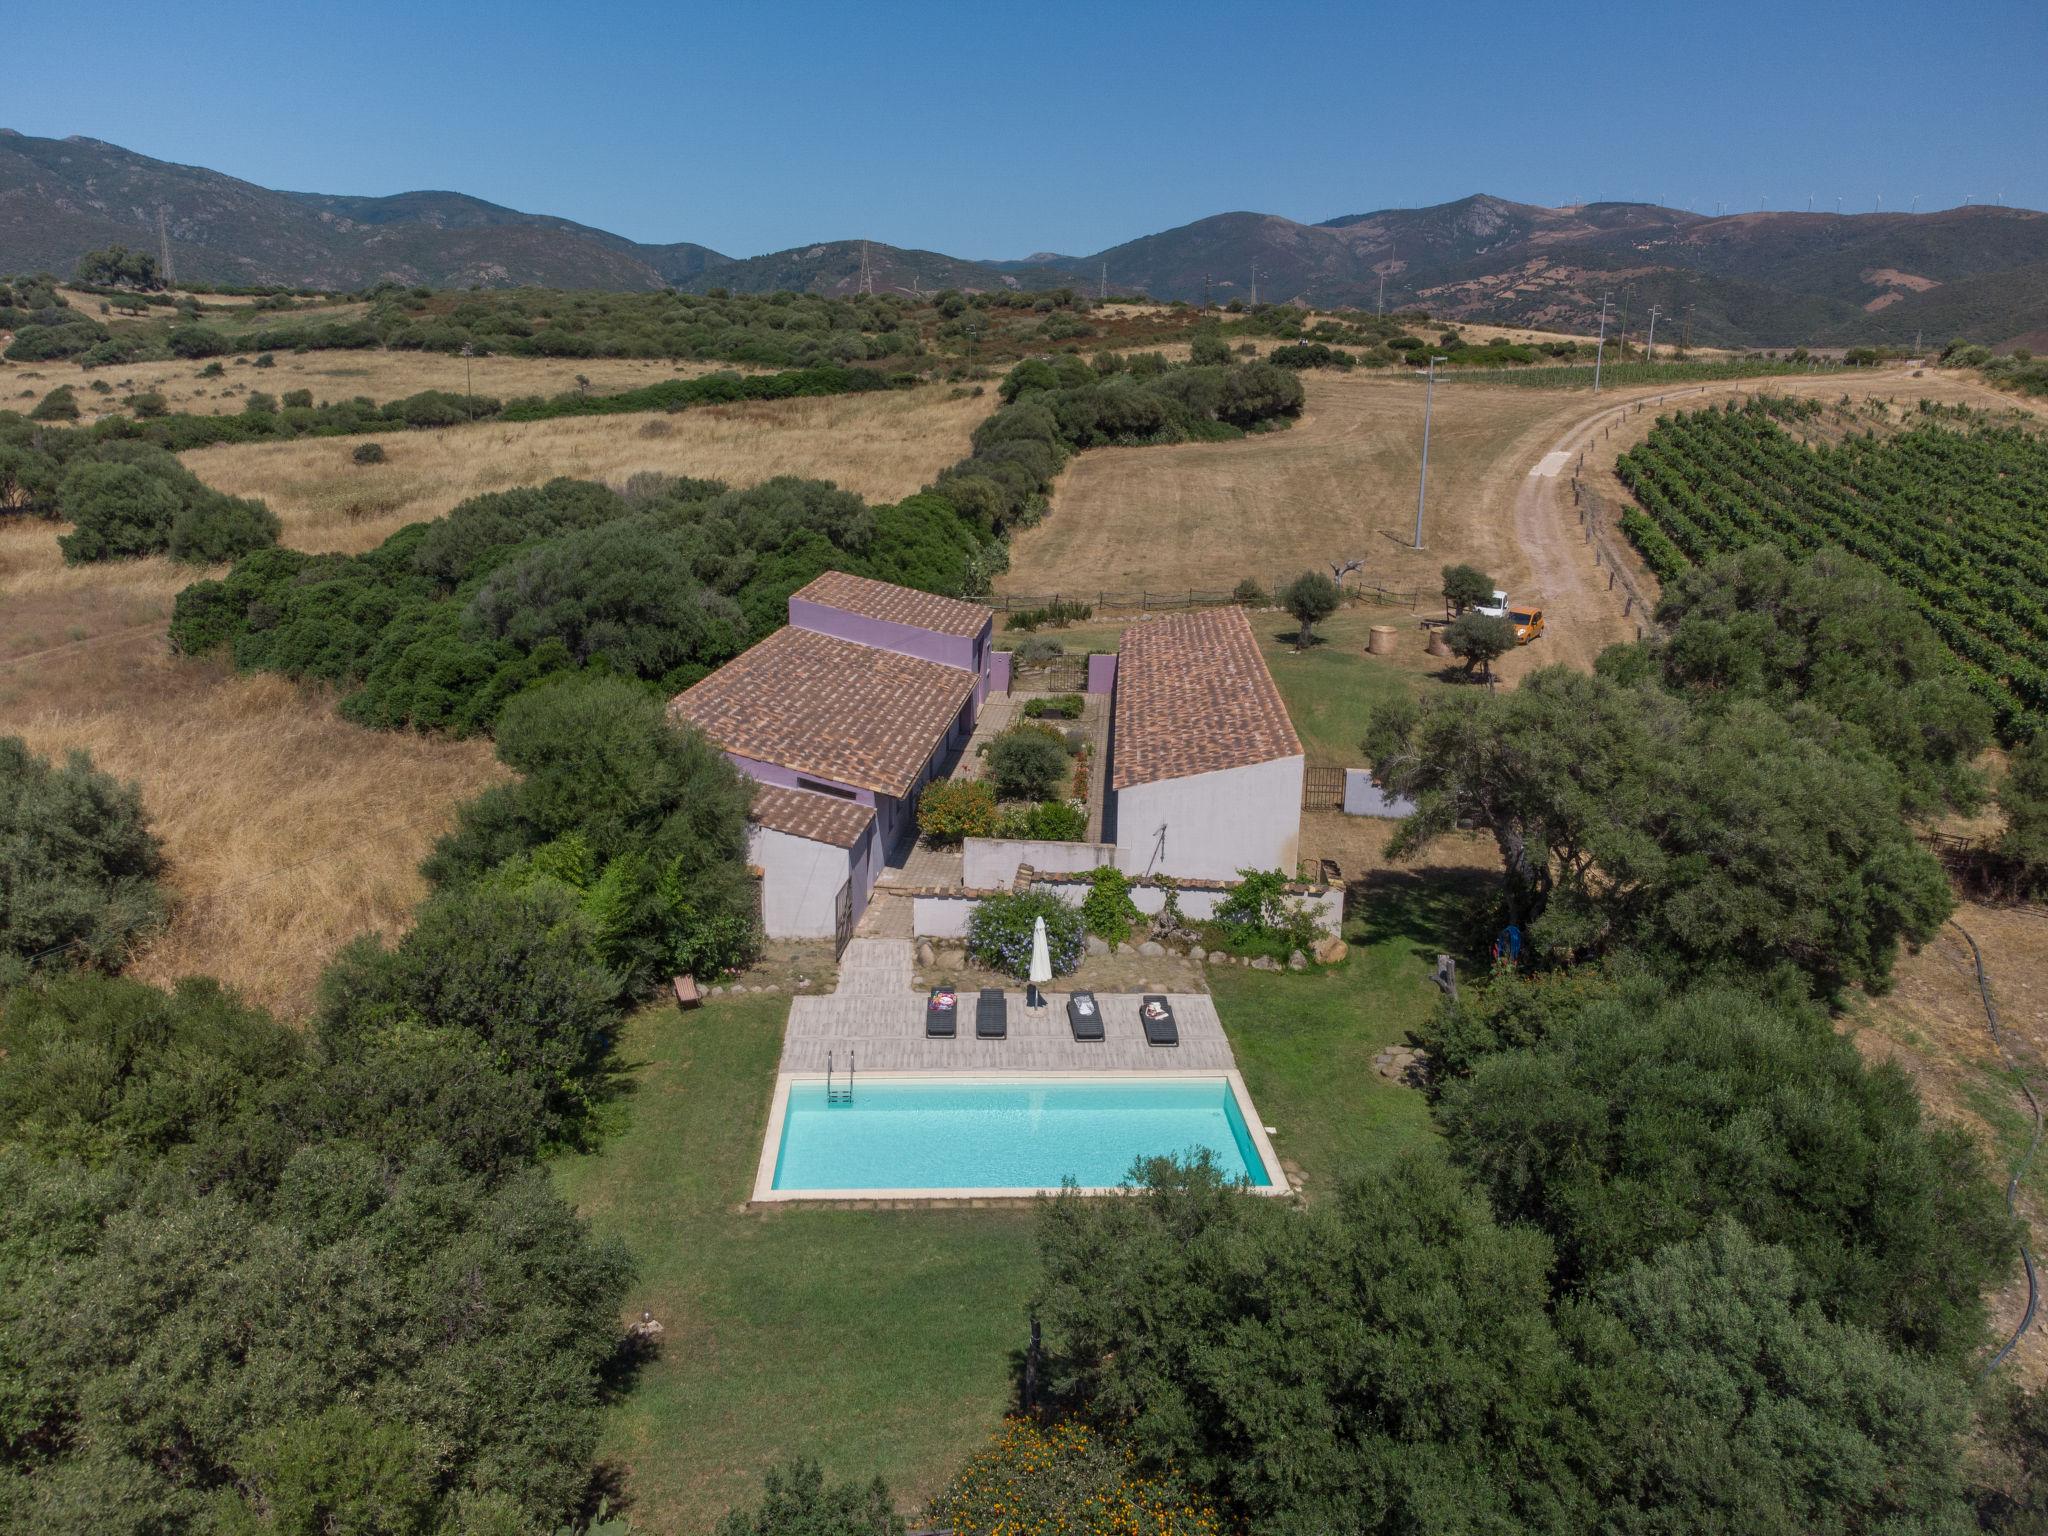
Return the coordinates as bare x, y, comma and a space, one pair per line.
839, 1095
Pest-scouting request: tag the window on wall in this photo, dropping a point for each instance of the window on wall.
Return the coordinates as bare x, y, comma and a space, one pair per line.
819, 786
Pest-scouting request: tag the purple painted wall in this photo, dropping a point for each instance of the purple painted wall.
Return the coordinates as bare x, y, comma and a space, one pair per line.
1102, 673
775, 773
999, 676
969, 655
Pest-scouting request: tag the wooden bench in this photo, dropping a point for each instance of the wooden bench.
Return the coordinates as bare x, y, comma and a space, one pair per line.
688, 994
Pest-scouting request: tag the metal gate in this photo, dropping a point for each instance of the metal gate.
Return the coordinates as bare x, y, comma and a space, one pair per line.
842, 918
1322, 789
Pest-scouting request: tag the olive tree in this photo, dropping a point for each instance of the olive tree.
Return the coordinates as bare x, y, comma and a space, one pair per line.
1311, 597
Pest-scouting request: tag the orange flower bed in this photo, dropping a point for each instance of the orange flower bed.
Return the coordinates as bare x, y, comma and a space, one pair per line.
1066, 1480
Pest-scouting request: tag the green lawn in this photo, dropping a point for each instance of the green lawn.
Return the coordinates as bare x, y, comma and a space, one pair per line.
878, 1341
885, 1341
1305, 1041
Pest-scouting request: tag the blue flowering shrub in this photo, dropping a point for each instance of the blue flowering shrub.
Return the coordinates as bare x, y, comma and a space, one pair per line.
999, 932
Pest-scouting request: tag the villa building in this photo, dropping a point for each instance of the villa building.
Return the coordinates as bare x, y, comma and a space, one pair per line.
843, 718
1205, 767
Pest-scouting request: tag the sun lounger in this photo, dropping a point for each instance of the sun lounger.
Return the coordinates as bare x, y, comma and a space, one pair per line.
991, 1014
942, 1014
1084, 1015
1156, 1014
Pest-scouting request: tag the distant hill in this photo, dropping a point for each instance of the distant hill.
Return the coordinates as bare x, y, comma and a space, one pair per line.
62, 197
1745, 279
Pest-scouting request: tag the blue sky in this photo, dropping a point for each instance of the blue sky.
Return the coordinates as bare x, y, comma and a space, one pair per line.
999, 130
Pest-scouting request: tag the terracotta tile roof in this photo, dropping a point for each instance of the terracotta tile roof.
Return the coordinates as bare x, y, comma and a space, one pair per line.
873, 599
826, 706
1193, 696
806, 813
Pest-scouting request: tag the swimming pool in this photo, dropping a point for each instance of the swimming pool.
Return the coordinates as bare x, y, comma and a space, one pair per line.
940, 1135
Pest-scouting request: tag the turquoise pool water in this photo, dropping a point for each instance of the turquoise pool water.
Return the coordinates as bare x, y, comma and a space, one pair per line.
998, 1135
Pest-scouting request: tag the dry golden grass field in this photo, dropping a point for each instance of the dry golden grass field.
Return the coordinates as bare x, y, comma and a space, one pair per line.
336, 376
882, 445
1340, 485
289, 830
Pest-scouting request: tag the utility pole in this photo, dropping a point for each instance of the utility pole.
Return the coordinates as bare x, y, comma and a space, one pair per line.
1422, 487
469, 389
1650, 352
1255, 285
867, 276
1383, 278
163, 247
1626, 290
1104, 292
1205, 292
1600, 349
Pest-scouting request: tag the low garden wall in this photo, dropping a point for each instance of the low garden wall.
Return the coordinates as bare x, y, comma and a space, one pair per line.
1362, 797
991, 863
943, 914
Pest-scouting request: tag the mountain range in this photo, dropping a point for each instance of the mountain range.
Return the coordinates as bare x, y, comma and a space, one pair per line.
1743, 279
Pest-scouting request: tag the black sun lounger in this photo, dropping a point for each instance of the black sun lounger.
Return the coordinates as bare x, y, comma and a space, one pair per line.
1084, 1015
1156, 1014
942, 1014
991, 1014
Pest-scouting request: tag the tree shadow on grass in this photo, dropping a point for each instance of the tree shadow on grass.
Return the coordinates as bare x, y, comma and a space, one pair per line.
1434, 910
1291, 638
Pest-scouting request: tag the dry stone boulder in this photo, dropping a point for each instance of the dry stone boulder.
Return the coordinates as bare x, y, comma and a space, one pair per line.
1297, 961
1330, 951
1151, 949
1265, 963
1097, 946
926, 955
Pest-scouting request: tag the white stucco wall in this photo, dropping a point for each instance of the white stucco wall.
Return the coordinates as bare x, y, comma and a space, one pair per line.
1362, 797
989, 863
800, 883
1208, 826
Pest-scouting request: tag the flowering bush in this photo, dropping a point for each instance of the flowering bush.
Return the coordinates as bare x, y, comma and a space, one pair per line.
955, 808
1065, 1478
999, 932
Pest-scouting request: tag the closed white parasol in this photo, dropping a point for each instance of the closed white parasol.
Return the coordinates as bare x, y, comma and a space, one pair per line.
1041, 960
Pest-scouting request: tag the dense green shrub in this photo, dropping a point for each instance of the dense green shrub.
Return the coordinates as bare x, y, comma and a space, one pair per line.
950, 809
1715, 841
1061, 706
514, 967
2023, 797
369, 1340
1258, 917
81, 863
999, 932
1027, 763
797, 1501
1624, 1127
445, 621
367, 453
1396, 1361
1049, 821
60, 404
641, 824
1249, 594
1829, 631
127, 500
1107, 910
